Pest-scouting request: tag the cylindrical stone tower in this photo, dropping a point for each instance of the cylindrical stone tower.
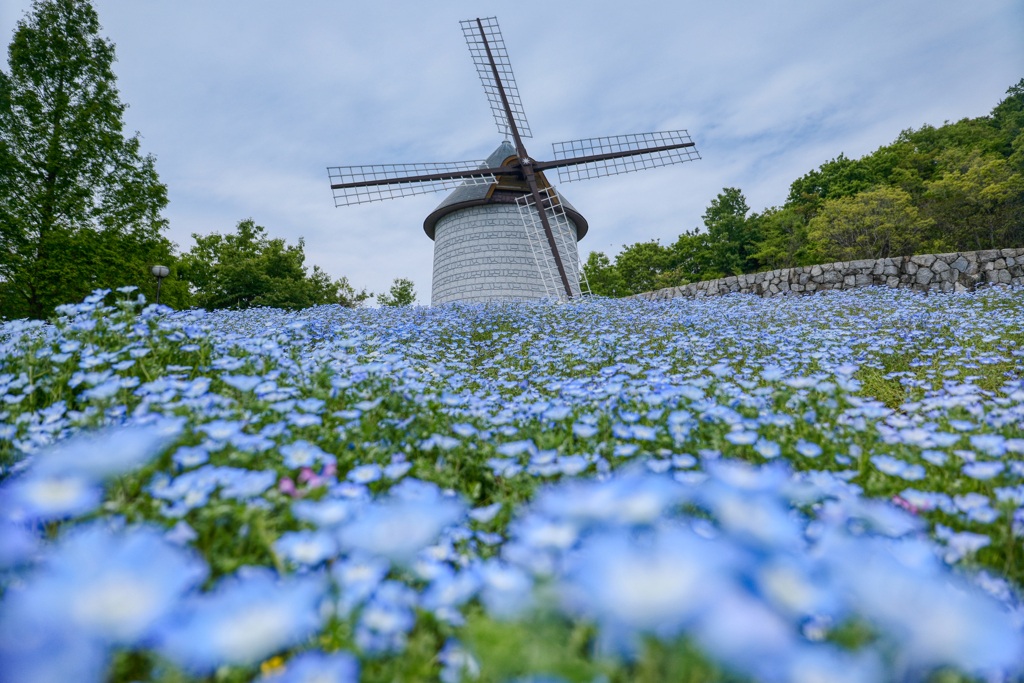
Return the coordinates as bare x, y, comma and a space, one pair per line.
481, 248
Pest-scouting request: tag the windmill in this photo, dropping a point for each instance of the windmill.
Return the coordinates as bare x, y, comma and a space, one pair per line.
506, 232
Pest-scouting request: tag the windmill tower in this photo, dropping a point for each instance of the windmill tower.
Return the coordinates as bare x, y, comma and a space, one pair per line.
506, 232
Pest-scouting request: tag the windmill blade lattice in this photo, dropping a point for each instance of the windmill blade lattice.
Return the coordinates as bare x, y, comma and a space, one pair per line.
381, 174
565, 241
478, 48
622, 143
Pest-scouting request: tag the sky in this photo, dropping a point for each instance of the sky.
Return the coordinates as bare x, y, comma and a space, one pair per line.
245, 104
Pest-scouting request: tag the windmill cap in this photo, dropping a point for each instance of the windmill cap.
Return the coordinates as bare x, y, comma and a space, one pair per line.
465, 196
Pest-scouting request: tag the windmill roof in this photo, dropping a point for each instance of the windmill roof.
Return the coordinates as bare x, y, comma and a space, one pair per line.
473, 195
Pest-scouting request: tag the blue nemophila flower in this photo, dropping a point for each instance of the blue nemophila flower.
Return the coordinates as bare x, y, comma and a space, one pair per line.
457, 662
306, 548
992, 445
328, 512
485, 514
742, 438
937, 458
110, 452
767, 449
445, 443
220, 430
449, 588
42, 497
190, 456
301, 453
242, 382
103, 586
247, 617
983, 470
898, 468
364, 474
358, 576
658, 583
934, 619
317, 667
386, 619
397, 470
506, 589
583, 430
398, 527
808, 449
464, 430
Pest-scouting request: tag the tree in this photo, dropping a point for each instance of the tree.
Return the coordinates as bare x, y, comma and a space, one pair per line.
248, 269
80, 208
401, 294
732, 239
784, 241
870, 225
977, 202
603, 277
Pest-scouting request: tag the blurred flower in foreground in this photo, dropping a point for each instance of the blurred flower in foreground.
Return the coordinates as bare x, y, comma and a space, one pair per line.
247, 617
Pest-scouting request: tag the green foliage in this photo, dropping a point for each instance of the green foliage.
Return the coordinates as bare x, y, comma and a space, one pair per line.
732, 238
400, 294
603, 277
248, 269
869, 225
80, 208
977, 202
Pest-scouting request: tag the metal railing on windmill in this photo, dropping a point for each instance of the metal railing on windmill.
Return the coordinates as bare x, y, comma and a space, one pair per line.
545, 220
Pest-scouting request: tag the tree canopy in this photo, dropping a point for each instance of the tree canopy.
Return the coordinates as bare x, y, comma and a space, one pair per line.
247, 269
400, 294
80, 206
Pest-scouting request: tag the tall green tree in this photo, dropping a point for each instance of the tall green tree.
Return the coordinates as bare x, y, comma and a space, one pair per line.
80, 207
732, 239
248, 269
400, 294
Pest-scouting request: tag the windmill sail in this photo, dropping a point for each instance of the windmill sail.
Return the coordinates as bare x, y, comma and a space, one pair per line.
478, 47
622, 154
361, 184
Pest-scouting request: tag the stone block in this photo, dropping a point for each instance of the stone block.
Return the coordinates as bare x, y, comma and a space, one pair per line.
862, 280
805, 277
910, 268
988, 255
1004, 276
849, 281
948, 258
832, 276
1009, 253
815, 271
939, 266
925, 260
924, 276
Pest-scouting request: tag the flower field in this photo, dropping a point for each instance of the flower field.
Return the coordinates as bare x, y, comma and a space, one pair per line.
805, 489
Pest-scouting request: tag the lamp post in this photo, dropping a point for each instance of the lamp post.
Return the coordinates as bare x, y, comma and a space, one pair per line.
159, 272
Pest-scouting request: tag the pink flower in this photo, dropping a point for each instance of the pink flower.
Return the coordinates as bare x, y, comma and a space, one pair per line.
287, 487
905, 504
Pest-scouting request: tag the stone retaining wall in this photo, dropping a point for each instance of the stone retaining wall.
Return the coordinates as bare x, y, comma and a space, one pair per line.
956, 272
